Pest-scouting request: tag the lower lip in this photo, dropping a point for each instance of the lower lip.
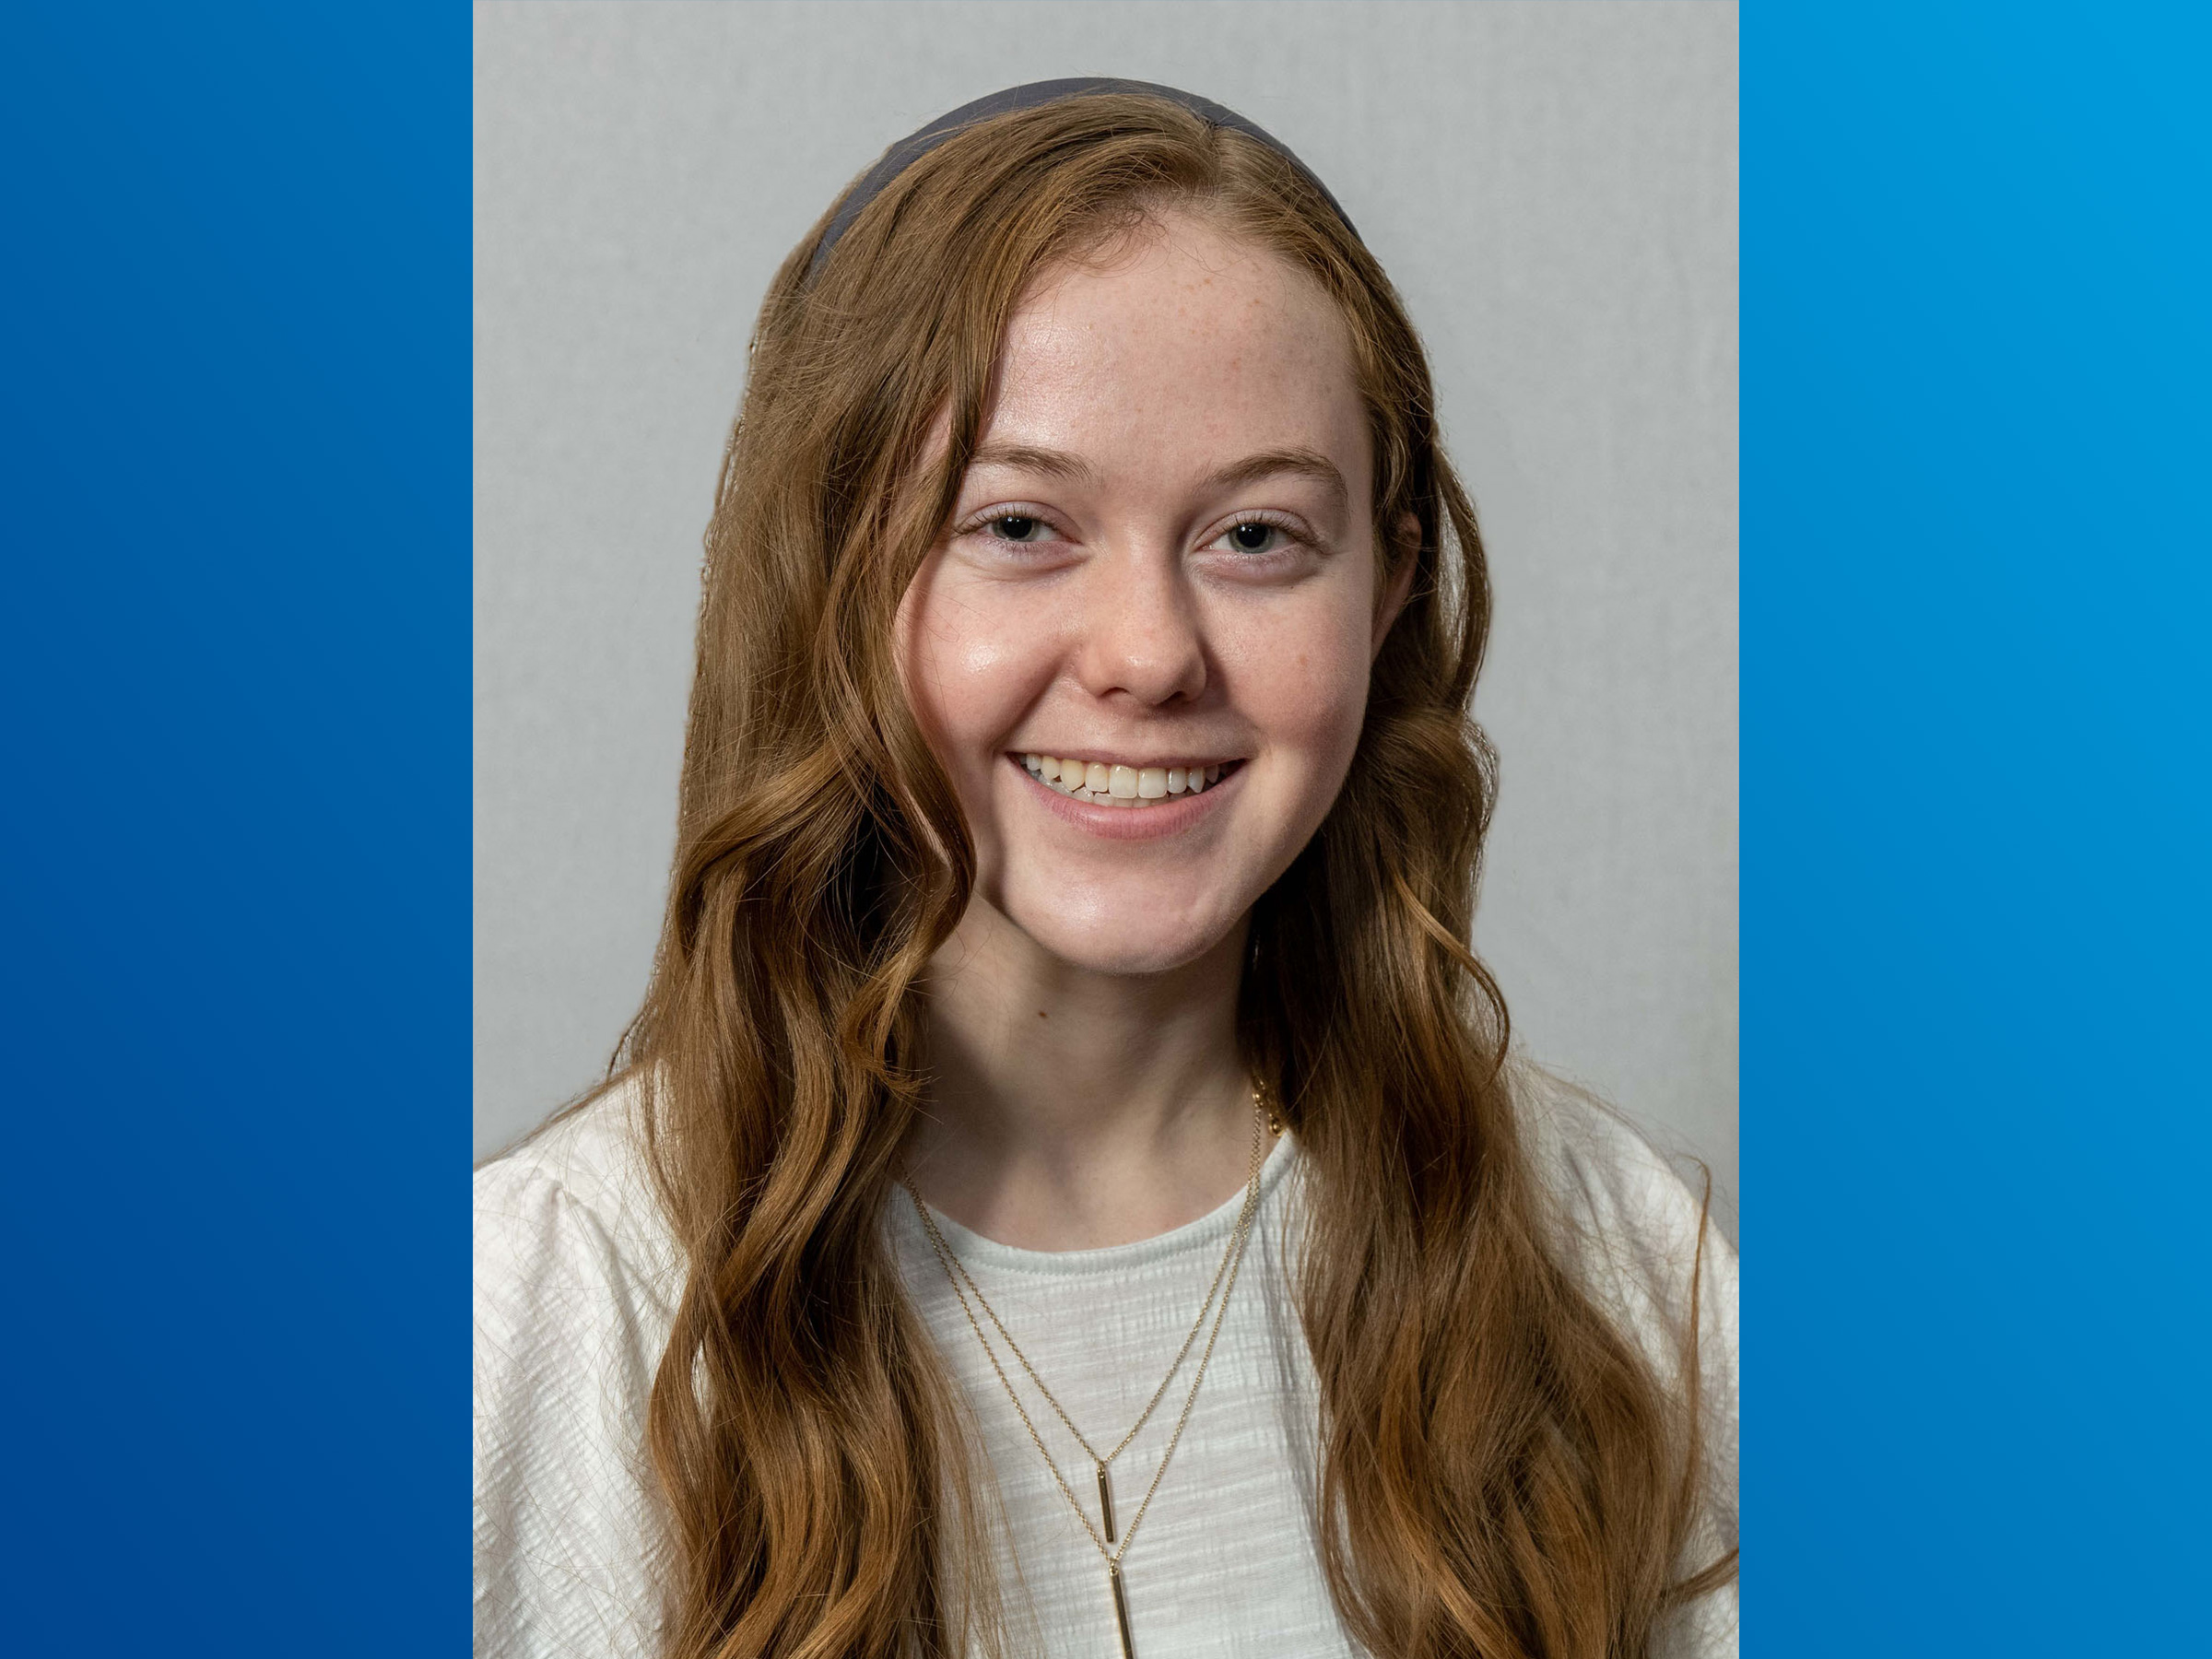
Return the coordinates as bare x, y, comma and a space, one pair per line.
1130, 823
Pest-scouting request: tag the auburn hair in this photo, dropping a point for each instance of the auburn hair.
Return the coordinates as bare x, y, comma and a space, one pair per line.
1501, 1472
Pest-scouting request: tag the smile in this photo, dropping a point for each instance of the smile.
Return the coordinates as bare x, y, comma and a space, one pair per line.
1112, 783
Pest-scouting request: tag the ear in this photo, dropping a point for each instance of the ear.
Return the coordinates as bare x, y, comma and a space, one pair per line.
1405, 549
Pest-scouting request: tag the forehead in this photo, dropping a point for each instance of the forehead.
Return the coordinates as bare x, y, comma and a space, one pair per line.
1182, 348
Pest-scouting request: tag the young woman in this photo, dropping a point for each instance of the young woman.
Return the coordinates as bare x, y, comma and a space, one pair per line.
1066, 1192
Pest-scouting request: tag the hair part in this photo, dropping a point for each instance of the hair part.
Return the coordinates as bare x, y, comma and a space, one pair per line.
1501, 1472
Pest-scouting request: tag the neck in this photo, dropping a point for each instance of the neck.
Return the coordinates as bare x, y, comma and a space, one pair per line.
1069, 1109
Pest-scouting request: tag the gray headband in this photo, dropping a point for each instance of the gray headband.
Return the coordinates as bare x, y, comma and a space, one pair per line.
911, 148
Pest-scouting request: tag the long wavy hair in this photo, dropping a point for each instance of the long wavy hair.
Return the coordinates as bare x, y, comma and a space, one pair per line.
1502, 1473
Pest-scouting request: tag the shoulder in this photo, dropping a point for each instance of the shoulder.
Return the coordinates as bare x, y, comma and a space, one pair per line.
1643, 1243
1625, 1218
576, 1195
575, 1281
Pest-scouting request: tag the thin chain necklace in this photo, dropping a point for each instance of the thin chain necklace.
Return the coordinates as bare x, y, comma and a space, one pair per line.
1264, 1124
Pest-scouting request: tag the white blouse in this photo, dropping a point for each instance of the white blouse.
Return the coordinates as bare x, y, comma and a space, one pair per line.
575, 1282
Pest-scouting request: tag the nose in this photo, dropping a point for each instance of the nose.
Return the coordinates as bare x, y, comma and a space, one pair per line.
1139, 631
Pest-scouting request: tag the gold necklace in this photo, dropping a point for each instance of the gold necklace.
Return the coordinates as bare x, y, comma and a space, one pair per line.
1224, 1278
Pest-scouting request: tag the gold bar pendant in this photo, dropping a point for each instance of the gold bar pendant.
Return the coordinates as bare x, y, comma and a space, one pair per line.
1105, 1503
1121, 1612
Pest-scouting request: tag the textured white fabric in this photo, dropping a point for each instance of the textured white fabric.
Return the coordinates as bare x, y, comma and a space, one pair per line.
575, 1280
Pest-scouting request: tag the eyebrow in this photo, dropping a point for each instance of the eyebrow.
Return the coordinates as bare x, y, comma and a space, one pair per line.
1052, 463
1269, 464
1274, 463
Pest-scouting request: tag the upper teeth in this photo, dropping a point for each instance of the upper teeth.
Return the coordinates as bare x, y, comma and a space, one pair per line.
1108, 785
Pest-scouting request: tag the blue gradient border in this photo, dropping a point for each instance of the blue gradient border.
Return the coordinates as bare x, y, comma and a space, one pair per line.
1975, 701
236, 647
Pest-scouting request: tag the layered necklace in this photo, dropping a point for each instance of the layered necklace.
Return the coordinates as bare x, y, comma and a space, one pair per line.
1265, 1124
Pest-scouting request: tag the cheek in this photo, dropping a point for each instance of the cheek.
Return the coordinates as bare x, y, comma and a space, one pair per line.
1304, 685
969, 670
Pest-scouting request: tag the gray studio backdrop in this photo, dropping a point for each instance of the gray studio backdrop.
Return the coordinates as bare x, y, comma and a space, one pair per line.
1552, 187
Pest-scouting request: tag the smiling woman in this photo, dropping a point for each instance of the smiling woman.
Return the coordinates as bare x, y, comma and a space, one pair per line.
1161, 559
1065, 1190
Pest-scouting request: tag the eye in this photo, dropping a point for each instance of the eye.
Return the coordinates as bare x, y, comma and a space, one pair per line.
1017, 527
1254, 535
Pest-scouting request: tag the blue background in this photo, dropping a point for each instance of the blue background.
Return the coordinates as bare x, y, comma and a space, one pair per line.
236, 655
236, 660
1975, 823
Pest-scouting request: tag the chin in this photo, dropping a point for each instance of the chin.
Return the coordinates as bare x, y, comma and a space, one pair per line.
1097, 948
